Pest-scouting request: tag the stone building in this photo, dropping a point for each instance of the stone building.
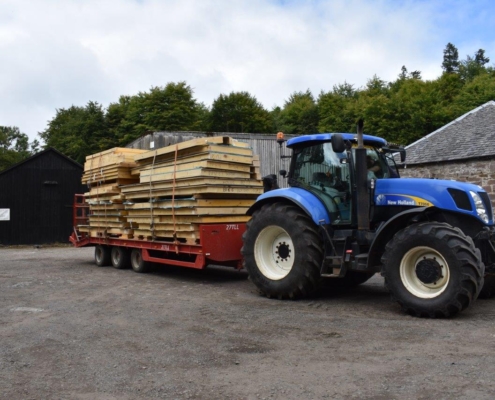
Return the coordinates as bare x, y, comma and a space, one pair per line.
463, 150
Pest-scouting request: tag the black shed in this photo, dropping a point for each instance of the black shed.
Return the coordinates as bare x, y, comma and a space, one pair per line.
36, 197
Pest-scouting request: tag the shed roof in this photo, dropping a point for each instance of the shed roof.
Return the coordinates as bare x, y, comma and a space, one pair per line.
41, 154
472, 135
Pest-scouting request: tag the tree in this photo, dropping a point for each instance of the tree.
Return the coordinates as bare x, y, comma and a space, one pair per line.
239, 112
169, 108
475, 93
14, 146
299, 115
337, 112
450, 62
480, 59
79, 131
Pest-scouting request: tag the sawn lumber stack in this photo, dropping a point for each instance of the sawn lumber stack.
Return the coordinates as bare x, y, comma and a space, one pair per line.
166, 193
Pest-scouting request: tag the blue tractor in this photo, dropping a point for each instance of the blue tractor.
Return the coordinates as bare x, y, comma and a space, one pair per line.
347, 215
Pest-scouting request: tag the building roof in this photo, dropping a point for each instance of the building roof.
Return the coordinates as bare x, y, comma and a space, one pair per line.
40, 154
472, 135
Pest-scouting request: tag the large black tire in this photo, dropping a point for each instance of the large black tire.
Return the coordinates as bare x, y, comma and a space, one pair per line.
137, 262
102, 256
121, 257
282, 252
488, 289
432, 270
350, 280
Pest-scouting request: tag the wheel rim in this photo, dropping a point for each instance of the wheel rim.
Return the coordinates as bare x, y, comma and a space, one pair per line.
135, 259
424, 272
99, 254
116, 257
274, 252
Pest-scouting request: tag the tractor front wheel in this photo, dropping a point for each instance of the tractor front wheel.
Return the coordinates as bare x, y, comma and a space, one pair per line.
282, 252
433, 270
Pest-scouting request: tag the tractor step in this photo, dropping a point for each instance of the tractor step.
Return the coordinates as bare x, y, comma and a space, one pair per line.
333, 267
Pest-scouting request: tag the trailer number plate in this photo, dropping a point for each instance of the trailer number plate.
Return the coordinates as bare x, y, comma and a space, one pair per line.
232, 227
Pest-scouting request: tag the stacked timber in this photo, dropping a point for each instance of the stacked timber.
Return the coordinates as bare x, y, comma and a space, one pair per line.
207, 180
105, 173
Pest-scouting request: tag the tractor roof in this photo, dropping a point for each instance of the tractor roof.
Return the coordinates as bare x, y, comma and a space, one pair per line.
326, 137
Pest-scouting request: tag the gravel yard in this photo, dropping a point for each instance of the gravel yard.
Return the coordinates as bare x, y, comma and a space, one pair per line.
71, 330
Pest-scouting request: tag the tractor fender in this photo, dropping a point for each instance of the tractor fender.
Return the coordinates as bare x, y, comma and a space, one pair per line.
305, 200
387, 230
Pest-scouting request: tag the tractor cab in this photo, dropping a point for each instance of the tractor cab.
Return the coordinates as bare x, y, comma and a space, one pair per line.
330, 175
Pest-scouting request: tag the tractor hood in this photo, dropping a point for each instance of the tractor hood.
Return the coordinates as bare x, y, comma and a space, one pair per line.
444, 194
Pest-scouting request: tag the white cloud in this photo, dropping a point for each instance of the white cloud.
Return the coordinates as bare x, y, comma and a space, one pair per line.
59, 53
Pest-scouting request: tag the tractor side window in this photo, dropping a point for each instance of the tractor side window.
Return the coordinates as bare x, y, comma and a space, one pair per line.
376, 164
326, 174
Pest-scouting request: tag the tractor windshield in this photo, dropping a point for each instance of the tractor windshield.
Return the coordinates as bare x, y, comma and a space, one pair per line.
326, 174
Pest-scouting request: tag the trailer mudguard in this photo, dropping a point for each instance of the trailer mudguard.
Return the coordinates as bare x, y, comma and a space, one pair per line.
302, 198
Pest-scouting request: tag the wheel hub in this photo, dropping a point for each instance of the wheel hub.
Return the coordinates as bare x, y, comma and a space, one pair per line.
428, 270
283, 251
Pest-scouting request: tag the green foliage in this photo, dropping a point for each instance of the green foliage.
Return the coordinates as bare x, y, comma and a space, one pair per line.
171, 108
450, 58
299, 115
475, 93
403, 110
14, 146
239, 112
78, 131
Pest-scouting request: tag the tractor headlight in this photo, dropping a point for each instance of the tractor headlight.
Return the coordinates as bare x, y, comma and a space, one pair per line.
480, 206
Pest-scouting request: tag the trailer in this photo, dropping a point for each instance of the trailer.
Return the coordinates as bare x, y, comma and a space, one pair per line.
219, 244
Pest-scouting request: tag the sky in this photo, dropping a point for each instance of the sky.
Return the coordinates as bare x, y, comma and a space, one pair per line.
59, 53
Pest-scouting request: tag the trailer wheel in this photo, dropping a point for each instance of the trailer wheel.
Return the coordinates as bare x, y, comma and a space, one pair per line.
282, 252
432, 270
488, 289
137, 262
102, 256
121, 257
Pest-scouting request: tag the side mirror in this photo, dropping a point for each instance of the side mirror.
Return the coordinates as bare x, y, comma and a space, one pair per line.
338, 143
282, 172
402, 155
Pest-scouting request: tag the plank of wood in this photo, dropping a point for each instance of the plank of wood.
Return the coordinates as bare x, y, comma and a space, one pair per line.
198, 191
167, 203
116, 150
194, 158
187, 219
195, 173
201, 142
192, 165
190, 211
196, 182
110, 224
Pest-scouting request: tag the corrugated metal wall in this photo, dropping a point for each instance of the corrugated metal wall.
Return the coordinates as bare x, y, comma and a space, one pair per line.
263, 145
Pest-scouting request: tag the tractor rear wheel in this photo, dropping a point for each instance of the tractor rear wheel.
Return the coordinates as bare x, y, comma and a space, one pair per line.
102, 256
432, 270
282, 252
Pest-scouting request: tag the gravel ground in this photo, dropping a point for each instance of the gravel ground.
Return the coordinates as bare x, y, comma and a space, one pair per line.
71, 330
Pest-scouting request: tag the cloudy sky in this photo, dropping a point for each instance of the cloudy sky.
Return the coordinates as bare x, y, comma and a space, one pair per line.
58, 53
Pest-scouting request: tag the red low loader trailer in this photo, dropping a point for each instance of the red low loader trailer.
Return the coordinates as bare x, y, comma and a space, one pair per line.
219, 244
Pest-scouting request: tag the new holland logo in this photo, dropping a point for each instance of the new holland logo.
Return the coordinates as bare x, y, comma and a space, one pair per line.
401, 200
